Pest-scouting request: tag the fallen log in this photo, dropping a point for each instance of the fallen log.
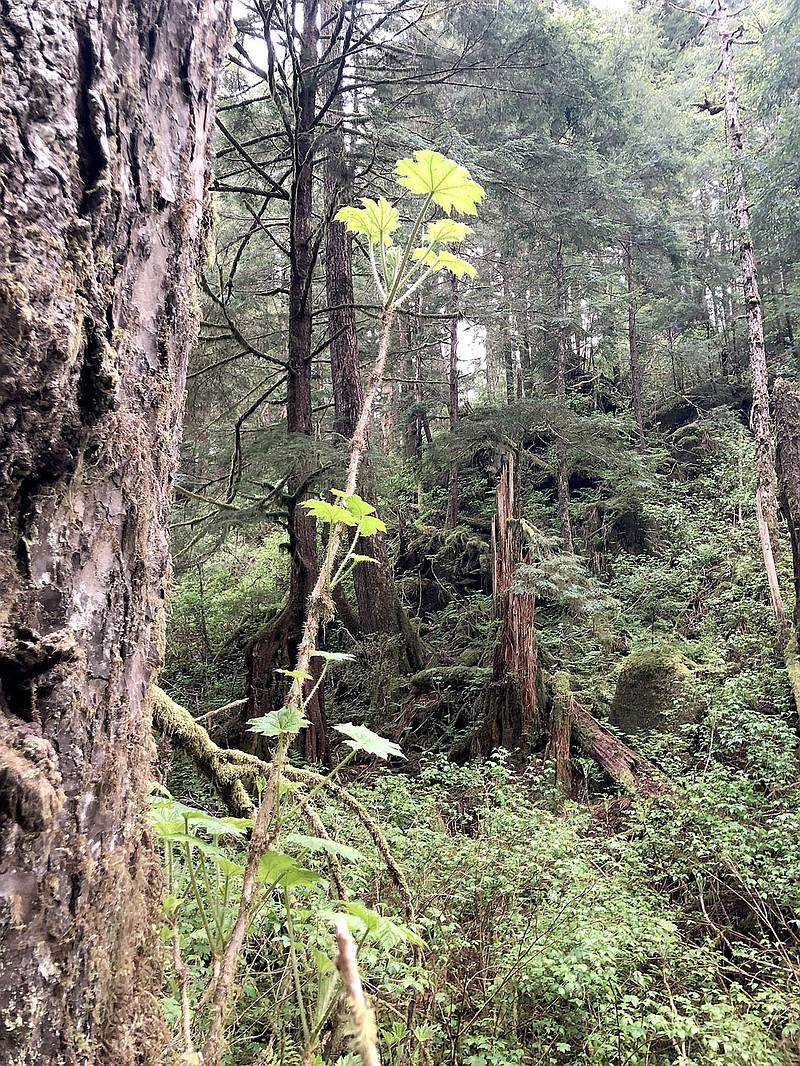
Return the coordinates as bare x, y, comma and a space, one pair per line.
626, 767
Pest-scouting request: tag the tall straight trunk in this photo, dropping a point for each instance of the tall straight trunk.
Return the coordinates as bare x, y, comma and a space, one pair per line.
787, 425
452, 409
379, 609
412, 429
106, 112
562, 470
277, 646
761, 420
633, 347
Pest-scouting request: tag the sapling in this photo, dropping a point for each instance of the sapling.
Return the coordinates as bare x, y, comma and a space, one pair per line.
399, 270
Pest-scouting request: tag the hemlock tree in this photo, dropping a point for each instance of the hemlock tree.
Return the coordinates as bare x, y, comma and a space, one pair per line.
105, 115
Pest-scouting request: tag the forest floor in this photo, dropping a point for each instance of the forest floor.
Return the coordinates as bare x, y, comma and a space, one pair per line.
532, 928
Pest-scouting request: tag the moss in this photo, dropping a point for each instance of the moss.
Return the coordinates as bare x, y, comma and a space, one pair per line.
650, 684
452, 676
655, 661
470, 656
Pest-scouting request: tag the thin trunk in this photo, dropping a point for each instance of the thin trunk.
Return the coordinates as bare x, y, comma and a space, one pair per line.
106, 113
452, 410
276, 647
379, 608
561, 396
761, 421
633, 347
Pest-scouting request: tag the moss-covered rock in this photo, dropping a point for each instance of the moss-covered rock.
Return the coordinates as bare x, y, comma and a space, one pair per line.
650, 686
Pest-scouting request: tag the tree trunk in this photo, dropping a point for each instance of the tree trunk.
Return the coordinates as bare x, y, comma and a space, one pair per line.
624, 766
451, 520
379, 608
633, 348
761, 421
105, 116
787, 424
514, 716
562, 477
277, 646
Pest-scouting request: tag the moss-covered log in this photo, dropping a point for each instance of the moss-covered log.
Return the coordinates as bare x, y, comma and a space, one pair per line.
624, 766
229, 770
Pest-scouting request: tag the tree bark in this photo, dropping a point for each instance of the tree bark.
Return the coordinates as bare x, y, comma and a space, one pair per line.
624, 766
276, 648
562, 477
451, 520
761, 421
379, 609
787, 425
633, 348
105, 116
514, 715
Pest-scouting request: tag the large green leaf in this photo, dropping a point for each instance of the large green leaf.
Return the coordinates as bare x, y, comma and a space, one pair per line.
168, 817
448, 184
331, 847
369, 525
354, 504
333, 656
444, 260
376, 220
381, 930
363, 739
445, 231
281, 723
330, 512
275, 868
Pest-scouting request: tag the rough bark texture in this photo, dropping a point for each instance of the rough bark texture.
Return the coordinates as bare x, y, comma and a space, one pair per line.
379, 609
761, 421
625, 766
514, 715
452, 409
276, 648
787, 425
105, 114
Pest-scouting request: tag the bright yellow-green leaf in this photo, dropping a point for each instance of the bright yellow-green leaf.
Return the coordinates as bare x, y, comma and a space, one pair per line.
369, 525
329, 512
363, 739
448, 184
445, 261
376, 220
354, 504
445, 231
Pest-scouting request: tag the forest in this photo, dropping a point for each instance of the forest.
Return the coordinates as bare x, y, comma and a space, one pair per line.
400, 532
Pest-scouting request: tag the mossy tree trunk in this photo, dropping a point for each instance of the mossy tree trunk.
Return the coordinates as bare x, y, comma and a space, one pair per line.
105, 115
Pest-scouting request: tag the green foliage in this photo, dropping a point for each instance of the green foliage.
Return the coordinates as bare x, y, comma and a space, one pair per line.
362, 739
443, 183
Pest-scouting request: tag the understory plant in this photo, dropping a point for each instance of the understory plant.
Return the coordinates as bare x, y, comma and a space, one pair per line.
399, 271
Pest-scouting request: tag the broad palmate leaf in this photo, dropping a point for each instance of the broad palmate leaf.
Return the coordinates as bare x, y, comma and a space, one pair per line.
448, 184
